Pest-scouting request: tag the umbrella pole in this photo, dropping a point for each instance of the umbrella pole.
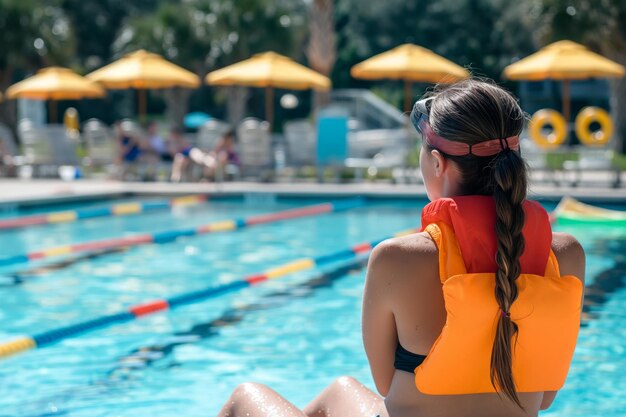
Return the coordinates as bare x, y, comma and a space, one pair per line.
408, 96
566, 100
142, 104
269, 106
52, 111
566, 107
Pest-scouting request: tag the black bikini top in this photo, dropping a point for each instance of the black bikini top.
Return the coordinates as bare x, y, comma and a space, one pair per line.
407, 361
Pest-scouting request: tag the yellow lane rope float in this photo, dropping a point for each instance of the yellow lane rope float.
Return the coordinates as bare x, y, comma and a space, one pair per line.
121, 209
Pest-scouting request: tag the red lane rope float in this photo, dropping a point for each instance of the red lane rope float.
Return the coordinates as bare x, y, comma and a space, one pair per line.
122, 209
171, 235
52, 336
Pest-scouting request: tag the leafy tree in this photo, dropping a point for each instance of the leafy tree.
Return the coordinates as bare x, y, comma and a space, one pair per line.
32, 36
205, 34
484, 35
322, 45
96, 24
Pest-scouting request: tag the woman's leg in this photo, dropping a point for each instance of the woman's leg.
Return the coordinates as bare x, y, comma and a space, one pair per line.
256, 400
346, 397
178, 167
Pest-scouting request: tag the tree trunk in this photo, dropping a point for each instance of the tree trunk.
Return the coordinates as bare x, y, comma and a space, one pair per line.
320, 99
618, 102
322, 48
237, 98
177, 100
8, 111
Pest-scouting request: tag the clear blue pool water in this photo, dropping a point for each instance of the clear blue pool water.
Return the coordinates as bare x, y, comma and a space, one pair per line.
295, 334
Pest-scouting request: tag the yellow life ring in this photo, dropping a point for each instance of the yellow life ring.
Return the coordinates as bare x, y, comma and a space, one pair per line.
584, 119
553, 139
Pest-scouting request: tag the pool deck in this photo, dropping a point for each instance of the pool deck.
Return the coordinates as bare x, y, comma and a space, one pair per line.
15, 193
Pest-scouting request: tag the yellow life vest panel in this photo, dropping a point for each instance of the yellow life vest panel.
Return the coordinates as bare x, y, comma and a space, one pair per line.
547, 313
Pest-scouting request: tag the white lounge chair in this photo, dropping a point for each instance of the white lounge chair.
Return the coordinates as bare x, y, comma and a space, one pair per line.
100, 145
210, 133
10, 158
301, 143
36, 148
255, 148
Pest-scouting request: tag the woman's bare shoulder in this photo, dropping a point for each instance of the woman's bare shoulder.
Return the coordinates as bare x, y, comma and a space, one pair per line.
401, 248
569, 253
396, 256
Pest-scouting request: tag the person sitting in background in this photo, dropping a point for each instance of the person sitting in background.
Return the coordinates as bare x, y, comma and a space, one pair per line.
158, 147
7, 164
129, 146
223, 155
177, 143
225, 151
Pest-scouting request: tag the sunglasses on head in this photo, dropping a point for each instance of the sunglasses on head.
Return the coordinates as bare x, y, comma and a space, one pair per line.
421, 113
420, 119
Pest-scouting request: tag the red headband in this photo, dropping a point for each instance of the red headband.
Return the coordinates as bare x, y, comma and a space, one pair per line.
454, 148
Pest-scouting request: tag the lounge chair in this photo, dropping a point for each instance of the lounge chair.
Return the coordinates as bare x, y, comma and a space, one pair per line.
210, 133
36, 148
590, 160
10, 157
301, 143
255, 148
100, 146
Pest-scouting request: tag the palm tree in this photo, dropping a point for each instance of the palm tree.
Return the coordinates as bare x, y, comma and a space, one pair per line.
322, 48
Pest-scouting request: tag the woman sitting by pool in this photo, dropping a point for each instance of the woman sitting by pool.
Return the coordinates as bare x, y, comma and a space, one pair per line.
478, 314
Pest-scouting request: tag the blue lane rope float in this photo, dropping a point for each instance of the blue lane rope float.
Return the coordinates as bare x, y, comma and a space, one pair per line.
171, 235
123, 209
52, 336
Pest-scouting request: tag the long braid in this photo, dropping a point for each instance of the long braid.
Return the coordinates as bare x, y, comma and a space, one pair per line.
510, 185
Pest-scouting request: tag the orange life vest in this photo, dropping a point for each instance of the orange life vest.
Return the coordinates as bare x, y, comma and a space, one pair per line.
547, 310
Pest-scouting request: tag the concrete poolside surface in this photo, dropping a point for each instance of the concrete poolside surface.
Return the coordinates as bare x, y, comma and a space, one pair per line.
15, 192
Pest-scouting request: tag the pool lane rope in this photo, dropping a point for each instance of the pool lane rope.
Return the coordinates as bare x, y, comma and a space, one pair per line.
49, 337
171, 235
123, 209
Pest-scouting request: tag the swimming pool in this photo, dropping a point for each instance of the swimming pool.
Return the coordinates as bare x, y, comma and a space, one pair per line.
295, 334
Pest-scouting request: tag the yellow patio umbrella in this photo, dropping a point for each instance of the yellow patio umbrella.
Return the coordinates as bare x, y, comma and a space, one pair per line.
269, 70
55, 83
144, 70
409, 63
564, 60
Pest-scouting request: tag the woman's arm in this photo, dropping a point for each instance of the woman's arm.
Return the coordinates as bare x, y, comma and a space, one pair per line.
571, 258
548, 398
380, 336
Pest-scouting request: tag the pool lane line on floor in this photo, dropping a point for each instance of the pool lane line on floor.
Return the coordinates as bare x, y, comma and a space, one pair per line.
52, 336
171, 235
19, 277
145, 355
122, 209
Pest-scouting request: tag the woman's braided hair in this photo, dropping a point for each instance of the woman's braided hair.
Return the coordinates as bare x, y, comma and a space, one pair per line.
473, 111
